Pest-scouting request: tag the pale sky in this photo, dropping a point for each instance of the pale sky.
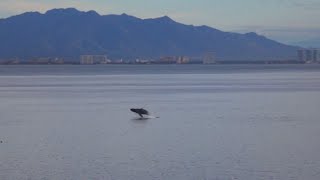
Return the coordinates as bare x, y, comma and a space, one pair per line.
283, 20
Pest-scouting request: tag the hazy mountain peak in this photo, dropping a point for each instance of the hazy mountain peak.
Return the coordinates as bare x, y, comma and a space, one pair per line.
24, 15
165, 19
92, 12
124, 15
207, 28
60, 11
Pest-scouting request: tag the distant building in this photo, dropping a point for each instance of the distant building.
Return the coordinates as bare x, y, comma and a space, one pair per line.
168, 60
94, 59
14, 62
57, 61
301, 55
173, 60
118, 61
142, 61
183, 60
309, 55
10, 61
208, 58
316, 55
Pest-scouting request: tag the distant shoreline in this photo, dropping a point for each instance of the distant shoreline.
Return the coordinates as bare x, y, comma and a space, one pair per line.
191, 63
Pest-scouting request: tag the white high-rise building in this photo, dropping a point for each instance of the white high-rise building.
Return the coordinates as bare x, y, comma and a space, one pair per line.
309, 55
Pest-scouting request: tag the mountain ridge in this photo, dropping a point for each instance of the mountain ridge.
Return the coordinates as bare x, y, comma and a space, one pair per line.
71, 33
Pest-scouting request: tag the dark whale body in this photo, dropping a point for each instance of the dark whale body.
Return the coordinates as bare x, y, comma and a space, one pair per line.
140, 111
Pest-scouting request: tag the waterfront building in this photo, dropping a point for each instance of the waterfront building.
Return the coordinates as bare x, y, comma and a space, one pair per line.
93, 59
208, 58
168, 60
309, 55
183, 60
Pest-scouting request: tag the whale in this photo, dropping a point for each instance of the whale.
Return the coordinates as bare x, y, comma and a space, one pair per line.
140, 111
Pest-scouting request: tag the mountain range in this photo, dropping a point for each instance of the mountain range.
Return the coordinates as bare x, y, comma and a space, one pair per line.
70, 33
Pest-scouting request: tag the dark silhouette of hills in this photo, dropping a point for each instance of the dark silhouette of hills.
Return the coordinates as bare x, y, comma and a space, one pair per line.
71, 33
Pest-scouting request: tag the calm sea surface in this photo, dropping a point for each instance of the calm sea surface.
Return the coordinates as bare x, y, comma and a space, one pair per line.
217, 122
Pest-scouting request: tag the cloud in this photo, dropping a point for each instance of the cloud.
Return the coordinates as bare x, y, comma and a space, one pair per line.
313, 5
307, 5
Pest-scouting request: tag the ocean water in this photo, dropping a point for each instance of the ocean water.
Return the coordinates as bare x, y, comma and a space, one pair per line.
217, 122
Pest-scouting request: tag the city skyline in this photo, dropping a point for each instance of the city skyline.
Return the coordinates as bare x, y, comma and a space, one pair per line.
291, 22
